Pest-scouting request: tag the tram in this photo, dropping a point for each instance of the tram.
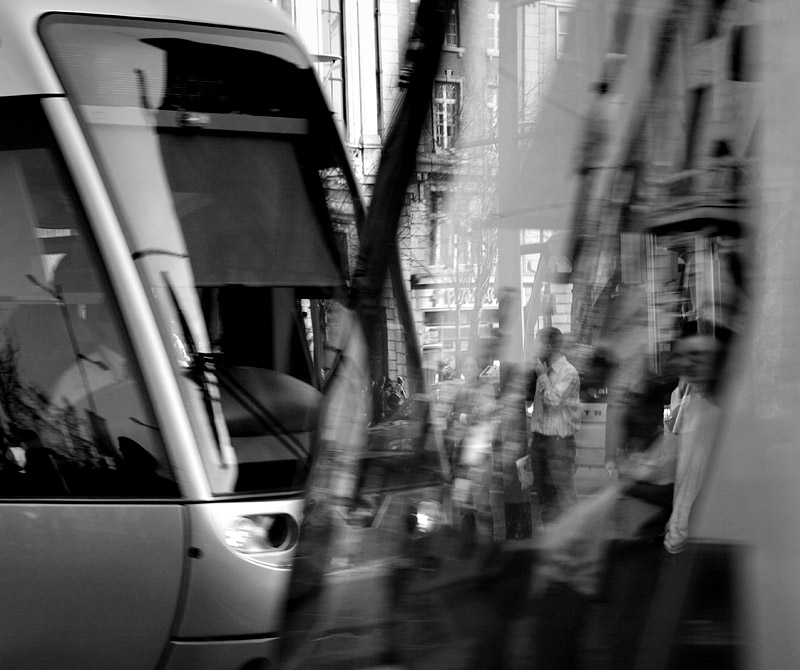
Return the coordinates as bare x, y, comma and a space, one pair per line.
171, 308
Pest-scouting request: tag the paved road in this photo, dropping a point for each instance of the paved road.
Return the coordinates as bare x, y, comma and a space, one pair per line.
468, 610
468, 613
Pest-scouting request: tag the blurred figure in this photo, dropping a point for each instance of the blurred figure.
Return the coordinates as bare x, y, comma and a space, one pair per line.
101, 367
444, 392
627, 353
668, 478
461, 408
42, 474
400, 388
512, 443
640, 422
99, 361
13, 461
695, 418
599, 562
392, 396
470, 435
446, 371
556, 418
646, 466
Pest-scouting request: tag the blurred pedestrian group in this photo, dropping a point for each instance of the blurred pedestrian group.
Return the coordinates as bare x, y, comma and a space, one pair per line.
601, 566
599, 559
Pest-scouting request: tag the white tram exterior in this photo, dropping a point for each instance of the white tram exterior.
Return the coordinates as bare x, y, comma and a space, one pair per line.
169, 281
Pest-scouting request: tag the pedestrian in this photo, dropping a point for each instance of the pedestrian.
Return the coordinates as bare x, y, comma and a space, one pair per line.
556, 418
467, 408
645, 466
598, 564
695, 418
511, 445
470, 433
400, 388
694, 421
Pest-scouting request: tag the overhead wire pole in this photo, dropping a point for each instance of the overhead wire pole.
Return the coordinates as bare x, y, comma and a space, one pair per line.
508, 276
379, 253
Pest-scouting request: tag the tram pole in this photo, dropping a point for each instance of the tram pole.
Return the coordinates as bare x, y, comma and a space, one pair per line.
508, 275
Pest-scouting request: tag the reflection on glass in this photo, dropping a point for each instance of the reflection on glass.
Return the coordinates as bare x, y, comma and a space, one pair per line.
72, 417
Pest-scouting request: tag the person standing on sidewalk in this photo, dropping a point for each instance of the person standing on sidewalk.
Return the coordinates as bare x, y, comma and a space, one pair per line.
695, 418
556, 418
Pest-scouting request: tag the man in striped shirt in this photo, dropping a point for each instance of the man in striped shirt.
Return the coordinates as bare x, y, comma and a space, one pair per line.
556, 418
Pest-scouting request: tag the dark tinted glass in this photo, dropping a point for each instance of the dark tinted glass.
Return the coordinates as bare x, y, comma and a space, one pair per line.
73, 422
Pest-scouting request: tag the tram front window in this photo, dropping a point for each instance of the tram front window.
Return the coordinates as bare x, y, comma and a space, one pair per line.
221, 157
74, 422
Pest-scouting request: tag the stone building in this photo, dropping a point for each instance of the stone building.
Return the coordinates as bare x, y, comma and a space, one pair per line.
449, 224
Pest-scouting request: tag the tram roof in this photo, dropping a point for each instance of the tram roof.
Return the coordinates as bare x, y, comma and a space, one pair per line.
26, 70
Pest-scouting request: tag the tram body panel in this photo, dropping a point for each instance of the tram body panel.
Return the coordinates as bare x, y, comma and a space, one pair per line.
232, 592
92, 586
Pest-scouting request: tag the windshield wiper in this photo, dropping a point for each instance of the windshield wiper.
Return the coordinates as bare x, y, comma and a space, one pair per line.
201, 365
249, 401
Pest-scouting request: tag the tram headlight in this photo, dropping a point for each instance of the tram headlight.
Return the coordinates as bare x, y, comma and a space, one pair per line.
244, 534
426, 517
261, 533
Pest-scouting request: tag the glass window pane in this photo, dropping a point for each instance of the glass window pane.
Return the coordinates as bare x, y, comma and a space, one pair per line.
73, 420
451, 31
564, 20
445, 114
493, 26
333, 47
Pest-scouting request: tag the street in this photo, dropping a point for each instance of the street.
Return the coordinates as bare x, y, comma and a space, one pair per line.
461, 607
473, 613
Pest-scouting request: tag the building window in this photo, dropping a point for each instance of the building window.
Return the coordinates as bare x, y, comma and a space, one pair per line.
446, 104
451, 37
332, 68
564, 19
451, 31
493, 28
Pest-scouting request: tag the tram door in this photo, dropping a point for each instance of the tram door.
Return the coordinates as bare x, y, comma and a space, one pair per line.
92, 555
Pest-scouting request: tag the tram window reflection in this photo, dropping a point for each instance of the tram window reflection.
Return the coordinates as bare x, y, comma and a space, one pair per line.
70, 392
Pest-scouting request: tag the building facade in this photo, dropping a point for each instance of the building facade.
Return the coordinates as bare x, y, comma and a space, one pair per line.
448, 236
